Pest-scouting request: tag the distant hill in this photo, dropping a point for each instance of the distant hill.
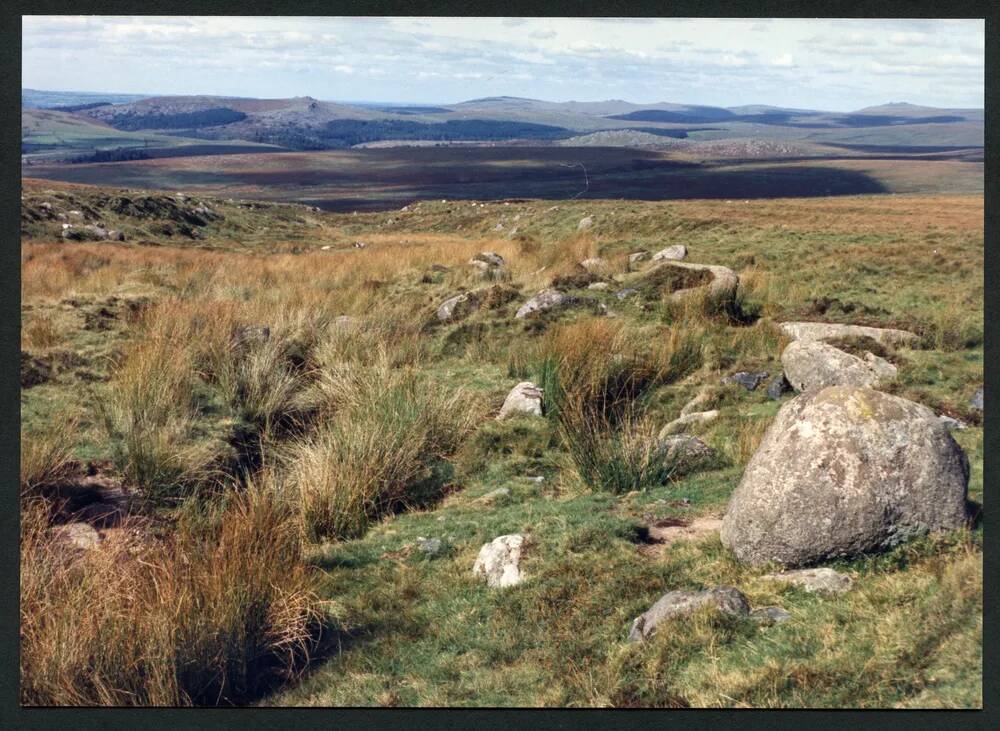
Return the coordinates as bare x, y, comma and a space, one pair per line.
306, 123
37, 99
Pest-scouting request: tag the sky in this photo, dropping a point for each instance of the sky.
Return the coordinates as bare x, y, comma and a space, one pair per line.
829, 64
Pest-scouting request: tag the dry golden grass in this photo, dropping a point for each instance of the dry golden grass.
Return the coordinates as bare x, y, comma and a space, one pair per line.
201, 619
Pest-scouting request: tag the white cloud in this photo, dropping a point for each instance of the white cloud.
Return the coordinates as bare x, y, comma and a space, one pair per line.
785, 60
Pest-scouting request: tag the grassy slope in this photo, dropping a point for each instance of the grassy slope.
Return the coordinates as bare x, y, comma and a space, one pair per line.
418, 631
63, 134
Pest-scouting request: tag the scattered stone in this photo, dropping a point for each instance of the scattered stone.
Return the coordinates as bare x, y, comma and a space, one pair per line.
77, 535
626, 293
457, 307
813, 364
670, 530
114, 235
671, 253
490, 258
673, 604
833, 331
499, 561
524, 398
682, 424
585, 223
748, 380
325, 248
722, 286
844, 471
770, 615
636, 257
498, 227
815, 580
685, 450
976, 401
429, 546
360, 244
493, 495
594, 264
778, 387
547, 299
598, 286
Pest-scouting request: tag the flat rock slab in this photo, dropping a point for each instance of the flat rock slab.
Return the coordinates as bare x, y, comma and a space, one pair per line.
770, 615
499, 561
813, 364
815, 580
77, 535
832, 331
673, 604
697, 528
524, 398
723, 285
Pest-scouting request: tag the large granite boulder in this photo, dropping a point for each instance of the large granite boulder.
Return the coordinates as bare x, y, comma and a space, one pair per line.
844, 471
813, 364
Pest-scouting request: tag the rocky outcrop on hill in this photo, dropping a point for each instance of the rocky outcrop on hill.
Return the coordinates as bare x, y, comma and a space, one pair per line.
843, 471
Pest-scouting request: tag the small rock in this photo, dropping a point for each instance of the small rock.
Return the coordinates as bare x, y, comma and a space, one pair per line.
490, 258
676, 252
681, 425
778, 387
598, 286
976, 401
682, 603
78, 535
636, 257
594, 264
499, 561
524, 398
815, 580
493, 495
770, 615
585, 223
547, 299
498, 227
325, 248
748, 380
626, 293
429, 546
685, 450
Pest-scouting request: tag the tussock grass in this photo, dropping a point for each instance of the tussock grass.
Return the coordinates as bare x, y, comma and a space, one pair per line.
594, 375
383, 446
202, 620
149, 416
46, 455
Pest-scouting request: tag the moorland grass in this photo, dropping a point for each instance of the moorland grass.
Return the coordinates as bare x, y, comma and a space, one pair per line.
377, 430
